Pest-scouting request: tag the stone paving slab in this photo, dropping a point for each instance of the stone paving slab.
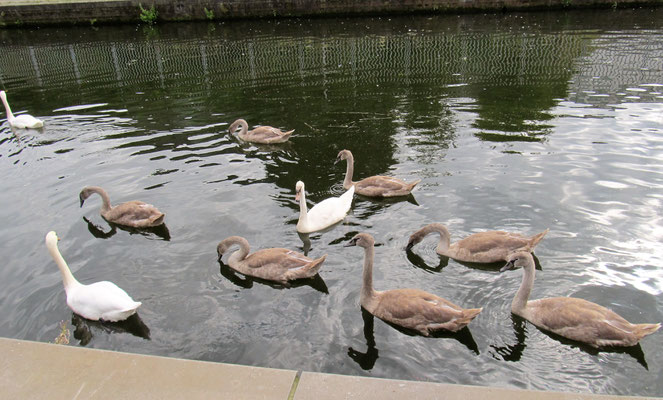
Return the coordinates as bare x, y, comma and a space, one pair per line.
33, 370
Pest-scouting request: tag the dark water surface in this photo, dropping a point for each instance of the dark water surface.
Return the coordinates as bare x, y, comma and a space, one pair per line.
518, 122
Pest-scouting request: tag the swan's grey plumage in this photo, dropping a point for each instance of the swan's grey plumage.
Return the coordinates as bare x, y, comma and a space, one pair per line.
572, 318
374, 186
132, 213
410, 308
274, 264
482, 247
261, 134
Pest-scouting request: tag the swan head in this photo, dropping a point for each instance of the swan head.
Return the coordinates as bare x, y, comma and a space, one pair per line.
343, 155
414, 239
518, 259
364, 240
85, 193
224, 245
419, 235
52, 239
220, 249
299, 188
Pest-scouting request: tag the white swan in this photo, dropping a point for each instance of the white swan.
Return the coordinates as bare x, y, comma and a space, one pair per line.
22, 121
324, 214
100, 300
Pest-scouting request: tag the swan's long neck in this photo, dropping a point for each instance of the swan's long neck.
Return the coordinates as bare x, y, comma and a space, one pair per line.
239, 255
8, 110
367, 292
106, 205
67, 277
519, 302
445, 238
349, 171
303, 210
243, 127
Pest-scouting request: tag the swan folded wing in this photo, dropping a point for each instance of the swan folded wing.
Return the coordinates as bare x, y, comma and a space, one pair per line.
380, 186
267, 134
278, 257
26, 121
489, 246
134, 213
577, 319
485, 241
101, 299
328, 211
417, 307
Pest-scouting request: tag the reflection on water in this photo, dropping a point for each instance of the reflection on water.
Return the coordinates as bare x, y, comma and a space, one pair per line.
84, 327
160, 231
246, 282
515, 122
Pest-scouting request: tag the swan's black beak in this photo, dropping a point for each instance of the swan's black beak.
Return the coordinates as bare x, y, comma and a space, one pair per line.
337, 160
82, 200
509, 265
351, 243
409, 246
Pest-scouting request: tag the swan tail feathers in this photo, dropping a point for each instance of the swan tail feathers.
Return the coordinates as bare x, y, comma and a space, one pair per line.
315, 266
157, 219
468, 316
347, 196
411, 185
121, 315
642, 330
538, 237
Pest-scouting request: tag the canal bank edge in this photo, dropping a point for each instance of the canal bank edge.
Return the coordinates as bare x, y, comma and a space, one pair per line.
34, 370
16, 13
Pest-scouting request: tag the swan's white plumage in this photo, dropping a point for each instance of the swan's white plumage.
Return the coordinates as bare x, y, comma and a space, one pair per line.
324, 214
22, 121
100, 300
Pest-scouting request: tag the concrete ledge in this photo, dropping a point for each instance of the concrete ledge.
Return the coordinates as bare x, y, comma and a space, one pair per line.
37, 12
33, 370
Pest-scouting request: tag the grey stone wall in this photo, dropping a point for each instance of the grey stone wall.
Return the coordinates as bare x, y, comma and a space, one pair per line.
38, 12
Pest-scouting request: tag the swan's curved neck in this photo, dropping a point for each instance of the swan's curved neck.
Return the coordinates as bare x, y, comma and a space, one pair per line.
67, 277
519, 302
445, 237
243, 127
367, 292
106, 205
8, 110
349, 171
239, 255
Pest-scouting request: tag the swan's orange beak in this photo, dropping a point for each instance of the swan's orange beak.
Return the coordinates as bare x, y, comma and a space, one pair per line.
298, 195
